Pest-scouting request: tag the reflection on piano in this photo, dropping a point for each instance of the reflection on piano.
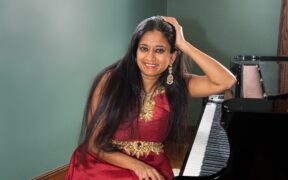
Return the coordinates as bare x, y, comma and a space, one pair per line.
244, 137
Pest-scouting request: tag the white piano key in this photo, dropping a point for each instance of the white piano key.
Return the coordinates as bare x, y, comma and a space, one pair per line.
194, 162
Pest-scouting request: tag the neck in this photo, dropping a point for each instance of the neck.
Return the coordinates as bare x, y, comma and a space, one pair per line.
149, 85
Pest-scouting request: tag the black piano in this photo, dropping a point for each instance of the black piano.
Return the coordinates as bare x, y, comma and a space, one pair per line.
244, 136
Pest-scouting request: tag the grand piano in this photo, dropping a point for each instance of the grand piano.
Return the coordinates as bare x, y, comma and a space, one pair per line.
243, 133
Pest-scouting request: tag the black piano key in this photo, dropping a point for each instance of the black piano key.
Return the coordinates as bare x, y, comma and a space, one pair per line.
207, 172
212, 162
217, 150
212, 169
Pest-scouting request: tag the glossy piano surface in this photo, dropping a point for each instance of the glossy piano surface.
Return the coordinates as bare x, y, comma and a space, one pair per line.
257, 134
257, 128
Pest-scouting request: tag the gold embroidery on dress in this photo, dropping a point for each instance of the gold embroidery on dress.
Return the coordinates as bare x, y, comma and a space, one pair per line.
146, 112
139, 148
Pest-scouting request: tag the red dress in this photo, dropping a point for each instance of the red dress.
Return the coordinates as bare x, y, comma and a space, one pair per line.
154, 130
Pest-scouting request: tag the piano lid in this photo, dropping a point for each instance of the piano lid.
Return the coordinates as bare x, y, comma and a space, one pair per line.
260, 58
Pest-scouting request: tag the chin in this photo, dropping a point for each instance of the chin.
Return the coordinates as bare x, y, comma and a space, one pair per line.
151, 75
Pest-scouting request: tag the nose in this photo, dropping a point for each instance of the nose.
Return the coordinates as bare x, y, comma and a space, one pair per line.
150, 55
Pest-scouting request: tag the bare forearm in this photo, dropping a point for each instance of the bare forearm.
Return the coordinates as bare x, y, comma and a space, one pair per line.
215, 71
118, 159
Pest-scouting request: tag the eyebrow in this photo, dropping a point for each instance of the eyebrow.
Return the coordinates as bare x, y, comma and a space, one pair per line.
156, 45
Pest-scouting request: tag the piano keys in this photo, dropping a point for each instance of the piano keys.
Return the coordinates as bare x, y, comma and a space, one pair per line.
207, 155
255, 127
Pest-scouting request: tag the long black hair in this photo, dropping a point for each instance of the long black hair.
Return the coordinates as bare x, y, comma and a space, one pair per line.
120, 97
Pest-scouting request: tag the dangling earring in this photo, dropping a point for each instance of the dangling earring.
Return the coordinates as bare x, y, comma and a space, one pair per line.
170, 77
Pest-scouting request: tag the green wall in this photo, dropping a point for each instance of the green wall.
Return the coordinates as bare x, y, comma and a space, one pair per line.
51, 50
225, 28
49, 53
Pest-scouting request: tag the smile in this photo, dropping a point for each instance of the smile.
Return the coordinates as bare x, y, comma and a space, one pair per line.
150, 65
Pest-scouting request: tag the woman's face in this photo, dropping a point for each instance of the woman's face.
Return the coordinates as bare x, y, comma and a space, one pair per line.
153, 54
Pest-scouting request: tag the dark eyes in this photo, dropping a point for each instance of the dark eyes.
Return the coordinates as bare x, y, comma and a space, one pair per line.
157, 50
143, 49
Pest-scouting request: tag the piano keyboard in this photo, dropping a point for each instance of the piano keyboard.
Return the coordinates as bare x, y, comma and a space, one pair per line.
210, 149
217, 150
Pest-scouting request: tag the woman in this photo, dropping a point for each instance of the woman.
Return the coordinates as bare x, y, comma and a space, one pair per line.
139, 103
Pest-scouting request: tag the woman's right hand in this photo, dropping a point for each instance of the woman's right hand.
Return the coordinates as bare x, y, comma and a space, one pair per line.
146, 172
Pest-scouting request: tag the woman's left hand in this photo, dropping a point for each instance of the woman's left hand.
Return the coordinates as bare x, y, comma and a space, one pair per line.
180, 40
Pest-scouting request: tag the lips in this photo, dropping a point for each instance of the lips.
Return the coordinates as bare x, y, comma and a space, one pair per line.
149, 65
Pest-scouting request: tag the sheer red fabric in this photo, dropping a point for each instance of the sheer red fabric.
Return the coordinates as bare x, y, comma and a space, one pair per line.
155, 130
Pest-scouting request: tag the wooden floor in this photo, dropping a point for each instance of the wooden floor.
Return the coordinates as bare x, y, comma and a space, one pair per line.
177, 158
56, 174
